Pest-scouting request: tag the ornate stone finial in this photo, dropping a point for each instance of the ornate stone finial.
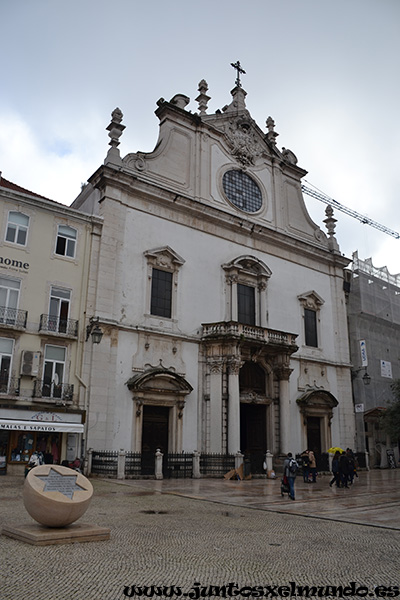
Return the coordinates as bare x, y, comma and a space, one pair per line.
330, 221
289, 156
272, 134
180, 100
115, 130
202, 98
239, 70
330, 225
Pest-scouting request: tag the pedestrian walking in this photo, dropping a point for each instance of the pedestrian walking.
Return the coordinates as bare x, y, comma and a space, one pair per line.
305, 463
351, 465
313, 466
290, 467
335, 470
344, 469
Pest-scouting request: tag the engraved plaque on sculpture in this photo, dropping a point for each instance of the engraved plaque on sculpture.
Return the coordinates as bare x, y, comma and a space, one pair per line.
56, 496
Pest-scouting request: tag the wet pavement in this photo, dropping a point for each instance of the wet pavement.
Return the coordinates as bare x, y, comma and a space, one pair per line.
216, 533
373, 499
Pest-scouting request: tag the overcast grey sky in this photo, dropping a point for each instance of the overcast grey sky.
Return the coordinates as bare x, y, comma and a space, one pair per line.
326, 71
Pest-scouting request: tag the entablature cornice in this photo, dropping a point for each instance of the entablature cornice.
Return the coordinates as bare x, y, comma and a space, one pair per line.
226, 225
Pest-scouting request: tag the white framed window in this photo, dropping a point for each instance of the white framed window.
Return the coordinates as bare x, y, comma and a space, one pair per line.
246, 282
161, 293
6, 352
9, 296
163, 265
66, 241
246, 304
59, 309
311, 304
17, 228
53, 371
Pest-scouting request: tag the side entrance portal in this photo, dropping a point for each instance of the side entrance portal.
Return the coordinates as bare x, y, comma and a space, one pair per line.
253, 434
154, 435
314, 434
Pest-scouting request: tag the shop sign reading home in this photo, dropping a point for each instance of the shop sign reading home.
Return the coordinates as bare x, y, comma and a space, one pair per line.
14, 265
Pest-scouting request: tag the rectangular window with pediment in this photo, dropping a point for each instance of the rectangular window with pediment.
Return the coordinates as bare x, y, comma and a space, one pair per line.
310, 324
246, 304
161, 293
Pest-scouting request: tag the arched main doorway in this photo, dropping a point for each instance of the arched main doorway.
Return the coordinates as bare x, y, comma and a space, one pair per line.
253, 414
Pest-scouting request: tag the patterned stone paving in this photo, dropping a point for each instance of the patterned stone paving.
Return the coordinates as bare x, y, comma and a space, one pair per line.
214, 532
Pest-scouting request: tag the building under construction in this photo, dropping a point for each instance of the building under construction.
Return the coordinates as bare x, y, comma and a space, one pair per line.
374, 332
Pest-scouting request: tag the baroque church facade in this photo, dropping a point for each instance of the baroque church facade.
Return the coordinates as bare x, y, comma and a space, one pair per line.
220, 301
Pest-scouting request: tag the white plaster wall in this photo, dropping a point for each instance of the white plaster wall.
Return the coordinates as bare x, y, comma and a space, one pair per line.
202, 281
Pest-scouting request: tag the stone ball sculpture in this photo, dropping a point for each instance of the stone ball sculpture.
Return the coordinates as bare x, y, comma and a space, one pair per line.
56, 496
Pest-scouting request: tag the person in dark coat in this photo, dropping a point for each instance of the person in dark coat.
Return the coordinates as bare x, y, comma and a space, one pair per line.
305, 462
344, 469
335, 470
290, 472
351, 465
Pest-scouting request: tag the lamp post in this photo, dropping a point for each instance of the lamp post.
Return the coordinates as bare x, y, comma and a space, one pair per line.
94, 330
366, 379
359, 399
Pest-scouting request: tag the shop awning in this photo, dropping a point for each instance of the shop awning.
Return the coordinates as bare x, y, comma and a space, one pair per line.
40, 426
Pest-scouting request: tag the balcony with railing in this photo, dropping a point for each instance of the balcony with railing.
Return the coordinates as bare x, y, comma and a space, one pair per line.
12, 317
52, 391
251, 333
58, 326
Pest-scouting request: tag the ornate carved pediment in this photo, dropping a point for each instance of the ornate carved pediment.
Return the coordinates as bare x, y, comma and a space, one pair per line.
248, 265
159, 380
311, 300
316, 399
164, 257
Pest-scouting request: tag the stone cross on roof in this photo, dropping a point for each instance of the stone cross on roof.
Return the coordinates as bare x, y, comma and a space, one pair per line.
239, 70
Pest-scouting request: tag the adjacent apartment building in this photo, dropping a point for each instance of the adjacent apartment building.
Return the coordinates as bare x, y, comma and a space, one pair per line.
220, 301
45, 250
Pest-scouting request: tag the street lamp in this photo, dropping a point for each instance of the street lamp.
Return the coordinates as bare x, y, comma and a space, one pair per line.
94, 330
365, 378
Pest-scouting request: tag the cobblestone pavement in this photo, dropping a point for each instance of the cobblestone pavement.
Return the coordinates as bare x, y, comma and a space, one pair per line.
213, 532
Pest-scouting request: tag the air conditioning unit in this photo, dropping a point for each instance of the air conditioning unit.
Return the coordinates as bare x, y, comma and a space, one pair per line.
30, 361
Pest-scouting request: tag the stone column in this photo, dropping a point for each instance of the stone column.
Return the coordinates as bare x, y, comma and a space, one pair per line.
121, 464
179, 426
234, 299
268, 459
216, 406
158, 466
234, 406
196, 465
238, 460
284, 409
262, 286
138, 424
88, 463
